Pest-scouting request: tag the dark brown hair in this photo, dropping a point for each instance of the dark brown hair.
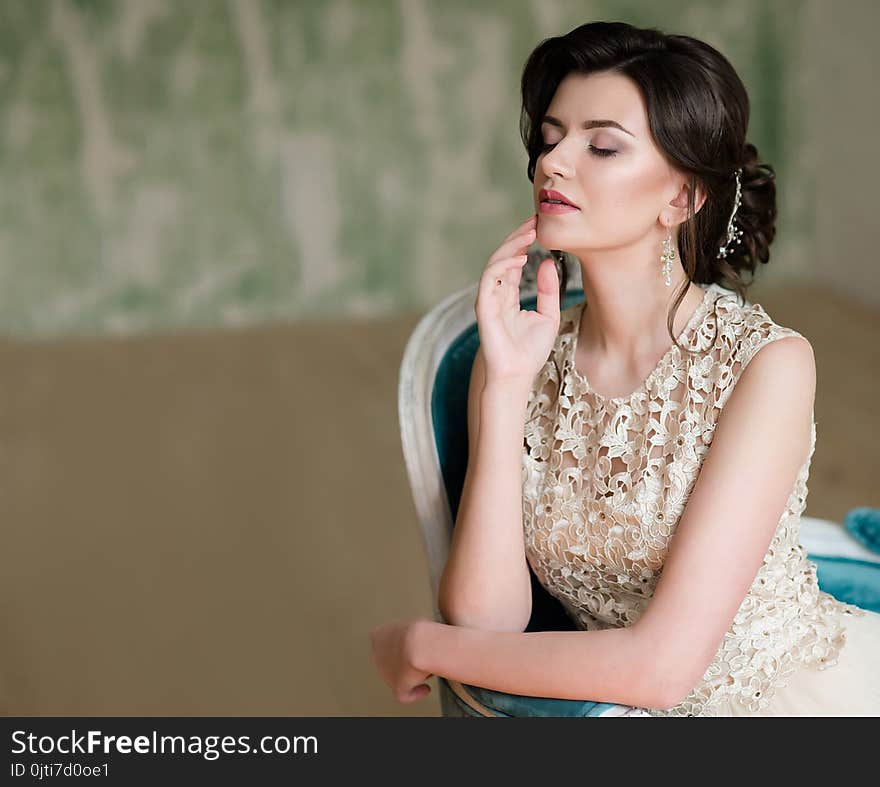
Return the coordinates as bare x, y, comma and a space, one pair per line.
698, 114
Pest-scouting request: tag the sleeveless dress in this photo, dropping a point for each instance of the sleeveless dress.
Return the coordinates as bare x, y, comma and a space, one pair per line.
605, 481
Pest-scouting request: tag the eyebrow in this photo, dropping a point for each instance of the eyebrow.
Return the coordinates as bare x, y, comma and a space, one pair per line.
588, 124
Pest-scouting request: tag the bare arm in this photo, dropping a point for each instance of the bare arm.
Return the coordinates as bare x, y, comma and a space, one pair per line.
485, 583
761, 440
612, 665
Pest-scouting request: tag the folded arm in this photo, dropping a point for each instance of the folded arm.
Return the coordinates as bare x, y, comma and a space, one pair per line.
611, 665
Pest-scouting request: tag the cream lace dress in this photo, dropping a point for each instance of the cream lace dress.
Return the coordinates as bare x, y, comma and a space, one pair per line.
605, 481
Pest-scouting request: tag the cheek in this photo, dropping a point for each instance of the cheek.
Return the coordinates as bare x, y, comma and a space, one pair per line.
624, 192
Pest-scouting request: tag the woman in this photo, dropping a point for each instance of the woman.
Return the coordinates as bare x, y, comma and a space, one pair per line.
590, 428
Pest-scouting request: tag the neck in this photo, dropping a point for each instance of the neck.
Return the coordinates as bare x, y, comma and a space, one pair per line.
624, 321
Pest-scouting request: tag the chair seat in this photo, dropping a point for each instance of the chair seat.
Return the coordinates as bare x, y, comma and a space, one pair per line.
488, 702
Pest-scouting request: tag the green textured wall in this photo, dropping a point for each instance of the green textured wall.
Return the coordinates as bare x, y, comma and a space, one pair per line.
197, 164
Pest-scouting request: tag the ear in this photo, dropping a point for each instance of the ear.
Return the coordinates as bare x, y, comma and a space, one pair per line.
679, 202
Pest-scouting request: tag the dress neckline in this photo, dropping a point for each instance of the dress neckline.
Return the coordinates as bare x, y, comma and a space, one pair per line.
692, 323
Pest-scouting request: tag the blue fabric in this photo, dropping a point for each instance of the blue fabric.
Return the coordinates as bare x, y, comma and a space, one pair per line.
849, 579
502, 704
498, 703
863, 524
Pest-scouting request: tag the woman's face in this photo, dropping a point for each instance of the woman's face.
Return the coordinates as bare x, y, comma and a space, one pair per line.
616, 176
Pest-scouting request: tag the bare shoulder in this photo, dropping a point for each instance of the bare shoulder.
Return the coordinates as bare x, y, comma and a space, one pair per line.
788, 361
773, 399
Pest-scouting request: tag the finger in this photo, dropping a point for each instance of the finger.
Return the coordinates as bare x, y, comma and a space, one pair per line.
531, 221
503, 265
515, 276
548, 289
512, 273
514, 245
510, 288
499, 273
495, 280
417, 693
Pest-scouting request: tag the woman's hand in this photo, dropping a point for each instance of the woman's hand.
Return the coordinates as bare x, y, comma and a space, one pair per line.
516, 342
392, 652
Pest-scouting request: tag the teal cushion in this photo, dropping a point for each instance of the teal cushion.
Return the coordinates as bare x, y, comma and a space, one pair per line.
863, 524
849, 579
500, 703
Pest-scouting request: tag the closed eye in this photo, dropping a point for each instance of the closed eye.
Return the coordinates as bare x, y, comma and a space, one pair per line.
602, 152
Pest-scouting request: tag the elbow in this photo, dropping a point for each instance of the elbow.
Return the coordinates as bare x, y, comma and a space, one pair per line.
448, 612
675, 686
487, 617
450, 608
455, 615
667, 698
666, 690
446, 603
666, 680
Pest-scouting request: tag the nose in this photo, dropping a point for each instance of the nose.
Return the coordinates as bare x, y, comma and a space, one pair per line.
555, 162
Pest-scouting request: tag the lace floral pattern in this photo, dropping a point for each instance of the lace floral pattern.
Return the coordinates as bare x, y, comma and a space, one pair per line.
605, 481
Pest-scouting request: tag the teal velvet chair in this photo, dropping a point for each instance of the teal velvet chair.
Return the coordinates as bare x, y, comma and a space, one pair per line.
432, 402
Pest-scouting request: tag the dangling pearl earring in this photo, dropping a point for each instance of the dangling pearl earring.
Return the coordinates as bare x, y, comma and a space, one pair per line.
667, 257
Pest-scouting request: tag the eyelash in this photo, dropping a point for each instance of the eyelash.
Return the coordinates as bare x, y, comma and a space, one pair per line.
601, 152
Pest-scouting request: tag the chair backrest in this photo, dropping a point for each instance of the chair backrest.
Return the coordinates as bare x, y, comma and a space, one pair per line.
432, 408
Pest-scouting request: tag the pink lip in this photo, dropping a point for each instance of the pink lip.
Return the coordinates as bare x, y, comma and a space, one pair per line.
551, 207
545, 194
